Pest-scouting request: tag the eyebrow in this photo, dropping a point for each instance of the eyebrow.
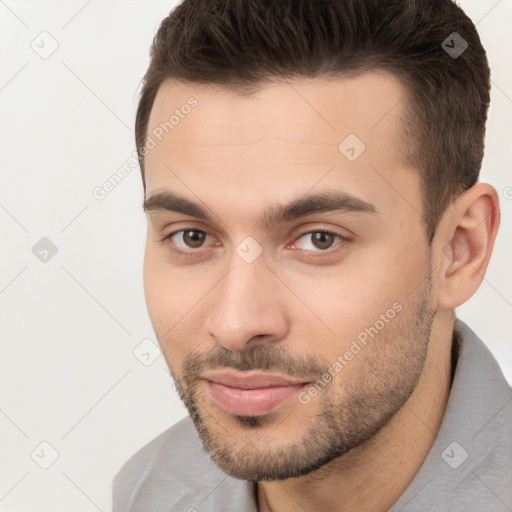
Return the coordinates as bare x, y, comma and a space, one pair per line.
323, 202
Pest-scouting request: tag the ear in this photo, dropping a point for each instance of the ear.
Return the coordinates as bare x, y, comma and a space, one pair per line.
463, 244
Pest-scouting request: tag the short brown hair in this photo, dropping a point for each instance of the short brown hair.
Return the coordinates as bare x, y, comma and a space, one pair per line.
244, 43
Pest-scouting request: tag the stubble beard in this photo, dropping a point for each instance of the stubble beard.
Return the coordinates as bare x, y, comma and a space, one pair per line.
379, 390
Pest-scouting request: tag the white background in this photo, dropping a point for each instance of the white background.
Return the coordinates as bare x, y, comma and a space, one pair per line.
68, 327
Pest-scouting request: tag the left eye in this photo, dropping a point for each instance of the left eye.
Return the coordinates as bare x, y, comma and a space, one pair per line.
318, 241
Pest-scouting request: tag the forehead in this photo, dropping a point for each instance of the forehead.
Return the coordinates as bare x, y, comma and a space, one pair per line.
283, 137
298, 107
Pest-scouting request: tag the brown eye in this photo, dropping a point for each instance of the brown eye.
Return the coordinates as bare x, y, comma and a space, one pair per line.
185, 240
318, 241
322, 239
194, 238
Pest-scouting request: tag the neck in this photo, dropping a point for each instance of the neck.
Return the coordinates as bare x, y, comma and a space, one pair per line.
373, 475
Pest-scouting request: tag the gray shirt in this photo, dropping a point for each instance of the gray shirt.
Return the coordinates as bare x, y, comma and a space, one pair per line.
468, 469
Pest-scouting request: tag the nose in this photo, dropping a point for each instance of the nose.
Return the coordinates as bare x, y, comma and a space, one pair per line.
246, 307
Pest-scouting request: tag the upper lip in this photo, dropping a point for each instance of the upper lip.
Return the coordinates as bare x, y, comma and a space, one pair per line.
249, 380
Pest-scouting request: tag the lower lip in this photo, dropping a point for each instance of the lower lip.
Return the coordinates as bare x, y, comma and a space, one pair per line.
251, 402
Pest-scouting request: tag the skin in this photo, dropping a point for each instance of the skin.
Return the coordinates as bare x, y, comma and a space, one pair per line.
298, 306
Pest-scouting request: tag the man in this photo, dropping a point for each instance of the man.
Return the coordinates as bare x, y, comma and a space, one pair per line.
314, 218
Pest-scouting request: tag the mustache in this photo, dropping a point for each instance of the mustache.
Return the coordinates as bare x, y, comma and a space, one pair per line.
265, 358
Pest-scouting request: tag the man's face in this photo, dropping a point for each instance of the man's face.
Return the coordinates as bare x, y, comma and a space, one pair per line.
290, 341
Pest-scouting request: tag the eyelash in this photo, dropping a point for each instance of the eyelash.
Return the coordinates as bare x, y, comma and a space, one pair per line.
166, 241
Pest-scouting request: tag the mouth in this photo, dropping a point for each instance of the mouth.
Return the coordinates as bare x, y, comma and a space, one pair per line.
250, 393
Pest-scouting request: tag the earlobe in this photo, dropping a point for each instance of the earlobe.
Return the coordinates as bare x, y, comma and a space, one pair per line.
467, 233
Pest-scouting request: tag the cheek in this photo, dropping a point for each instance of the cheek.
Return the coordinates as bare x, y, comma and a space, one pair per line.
350, 298
154, 285
162, 295
173, 306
